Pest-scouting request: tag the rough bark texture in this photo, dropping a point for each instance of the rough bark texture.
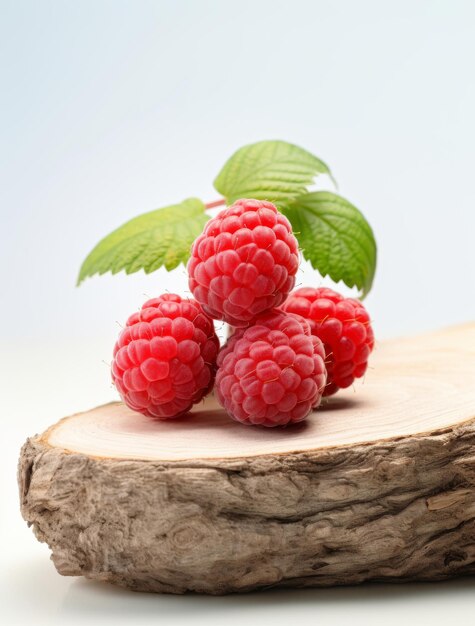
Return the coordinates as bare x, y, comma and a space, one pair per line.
394, 510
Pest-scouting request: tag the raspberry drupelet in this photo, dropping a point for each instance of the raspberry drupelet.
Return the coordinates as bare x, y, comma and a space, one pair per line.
343, 325
244, 263
165, 357
272, 373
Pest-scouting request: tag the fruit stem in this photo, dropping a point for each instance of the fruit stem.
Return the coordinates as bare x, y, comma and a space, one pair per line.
212, 205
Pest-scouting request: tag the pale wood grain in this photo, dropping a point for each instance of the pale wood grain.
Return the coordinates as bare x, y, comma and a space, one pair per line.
378, 484
413, 386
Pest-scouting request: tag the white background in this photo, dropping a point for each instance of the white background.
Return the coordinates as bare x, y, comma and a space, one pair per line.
112, 108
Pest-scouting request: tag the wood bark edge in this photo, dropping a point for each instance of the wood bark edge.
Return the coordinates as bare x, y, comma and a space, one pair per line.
391, 510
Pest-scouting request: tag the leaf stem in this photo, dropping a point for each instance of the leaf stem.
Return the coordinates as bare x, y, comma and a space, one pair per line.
212, 205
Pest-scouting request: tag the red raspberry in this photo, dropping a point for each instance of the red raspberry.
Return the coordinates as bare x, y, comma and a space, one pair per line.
344, 326
165, 358
272, 373
244, 263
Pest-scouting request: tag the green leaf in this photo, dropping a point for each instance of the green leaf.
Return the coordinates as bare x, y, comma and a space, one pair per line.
335, 238
268, 170
161, 237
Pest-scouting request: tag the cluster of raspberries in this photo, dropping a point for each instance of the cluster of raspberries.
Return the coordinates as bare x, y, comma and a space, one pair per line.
287, 349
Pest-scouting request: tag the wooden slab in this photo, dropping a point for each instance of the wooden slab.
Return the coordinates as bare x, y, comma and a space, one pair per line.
377, 484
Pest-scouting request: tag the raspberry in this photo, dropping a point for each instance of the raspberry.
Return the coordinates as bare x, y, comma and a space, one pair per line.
272, 373
165, 358
244, 263
344, 326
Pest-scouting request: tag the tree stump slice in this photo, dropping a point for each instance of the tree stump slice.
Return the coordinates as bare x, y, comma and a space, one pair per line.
378, 484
